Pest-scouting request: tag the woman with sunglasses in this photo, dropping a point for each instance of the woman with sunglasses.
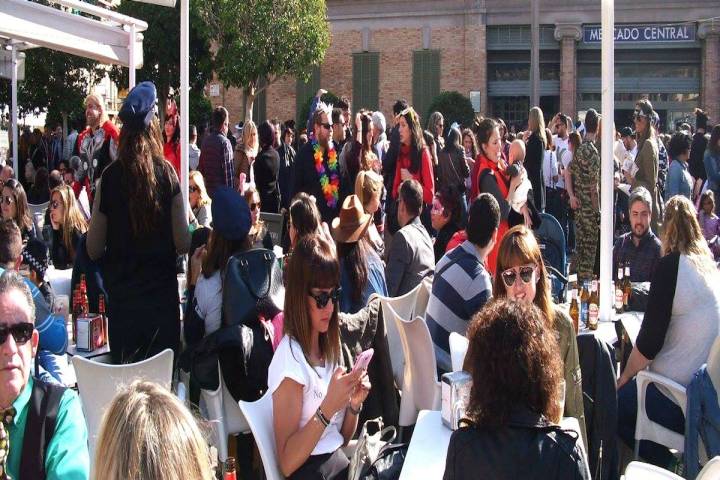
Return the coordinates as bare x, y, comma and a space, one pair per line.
315, 402
522, 277
199, 201
259, 234
646, 161
15, 207
68, 226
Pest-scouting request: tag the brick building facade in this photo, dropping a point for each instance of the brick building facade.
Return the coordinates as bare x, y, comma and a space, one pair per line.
384, 50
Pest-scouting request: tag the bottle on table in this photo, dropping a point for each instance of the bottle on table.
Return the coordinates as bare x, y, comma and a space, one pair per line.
229, 472
75, 313
620, 291
593, 307
101, 312
575, 311
584, 298
627, 288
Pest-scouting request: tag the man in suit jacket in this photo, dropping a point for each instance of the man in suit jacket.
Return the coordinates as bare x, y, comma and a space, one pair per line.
411, 256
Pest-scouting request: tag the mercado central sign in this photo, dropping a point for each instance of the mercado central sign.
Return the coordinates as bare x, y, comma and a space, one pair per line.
681, 32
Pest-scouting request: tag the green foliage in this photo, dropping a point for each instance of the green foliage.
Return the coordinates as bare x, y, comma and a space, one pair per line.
301, 120
259, 41
161, 49
454, 106
200, 107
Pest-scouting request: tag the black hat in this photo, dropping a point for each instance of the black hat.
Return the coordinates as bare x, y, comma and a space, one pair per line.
139, 106
701, 119
35, 255
626, 132
230, 213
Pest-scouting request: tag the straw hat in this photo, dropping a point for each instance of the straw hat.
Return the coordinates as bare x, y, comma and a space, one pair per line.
352, 222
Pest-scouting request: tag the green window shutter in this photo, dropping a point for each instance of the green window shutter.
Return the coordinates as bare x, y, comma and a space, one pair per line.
304, 91
426, 80
366, 80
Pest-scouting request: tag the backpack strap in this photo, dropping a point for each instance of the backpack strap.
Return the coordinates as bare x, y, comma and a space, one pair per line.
40, 428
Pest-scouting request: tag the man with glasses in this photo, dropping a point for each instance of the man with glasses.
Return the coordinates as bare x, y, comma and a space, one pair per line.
42, 429
317, 169
462, 285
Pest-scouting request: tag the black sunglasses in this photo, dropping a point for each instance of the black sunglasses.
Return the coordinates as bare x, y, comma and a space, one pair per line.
21, 332
509, 276
193, 189
327, 126
322, 299
254, 206
8, 199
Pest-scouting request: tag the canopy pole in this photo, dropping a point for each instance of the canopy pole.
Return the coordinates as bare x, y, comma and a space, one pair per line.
607, 164
14, 108
184, 97
131, 56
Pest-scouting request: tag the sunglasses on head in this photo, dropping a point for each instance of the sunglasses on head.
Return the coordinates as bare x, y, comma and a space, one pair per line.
21, 332
510, 275
7, 199
322, 299
193, 189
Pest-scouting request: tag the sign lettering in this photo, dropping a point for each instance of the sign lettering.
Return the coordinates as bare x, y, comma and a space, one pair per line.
643, 33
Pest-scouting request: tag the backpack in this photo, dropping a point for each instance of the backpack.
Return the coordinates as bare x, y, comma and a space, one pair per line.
40, 427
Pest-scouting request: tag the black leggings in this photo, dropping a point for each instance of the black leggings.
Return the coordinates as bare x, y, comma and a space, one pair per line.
326, 466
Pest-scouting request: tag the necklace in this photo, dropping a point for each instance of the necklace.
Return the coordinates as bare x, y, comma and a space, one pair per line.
330, 184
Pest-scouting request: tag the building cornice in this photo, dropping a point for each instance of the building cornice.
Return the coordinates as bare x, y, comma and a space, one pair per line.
572, 30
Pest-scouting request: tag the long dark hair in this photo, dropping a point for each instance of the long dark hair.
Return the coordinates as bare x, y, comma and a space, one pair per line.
474, 150
484, 131
714, 143
416, 138
354, 258
145, 174
22, 211
176, 133
454, 142
219, 251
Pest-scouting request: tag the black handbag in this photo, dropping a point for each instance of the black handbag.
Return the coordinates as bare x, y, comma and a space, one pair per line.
389, 462
252, 287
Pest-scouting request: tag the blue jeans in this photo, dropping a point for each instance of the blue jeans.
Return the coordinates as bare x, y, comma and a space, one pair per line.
660, 409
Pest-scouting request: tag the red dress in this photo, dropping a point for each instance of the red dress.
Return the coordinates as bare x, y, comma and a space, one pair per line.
424, 175
503, 185
171, 152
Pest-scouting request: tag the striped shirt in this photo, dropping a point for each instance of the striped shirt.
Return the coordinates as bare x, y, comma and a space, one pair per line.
461, 287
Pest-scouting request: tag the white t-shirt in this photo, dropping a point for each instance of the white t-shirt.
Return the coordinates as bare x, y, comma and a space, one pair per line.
289, 362
550, 168
565, 160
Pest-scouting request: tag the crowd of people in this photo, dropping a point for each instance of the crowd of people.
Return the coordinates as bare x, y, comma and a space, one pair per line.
370, 209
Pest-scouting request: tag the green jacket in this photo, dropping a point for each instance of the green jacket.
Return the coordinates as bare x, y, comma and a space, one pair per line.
647, 176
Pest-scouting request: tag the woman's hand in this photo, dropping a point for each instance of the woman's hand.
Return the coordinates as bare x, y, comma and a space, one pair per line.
574, 202
196, 262
526, 213
339, 392
362, 388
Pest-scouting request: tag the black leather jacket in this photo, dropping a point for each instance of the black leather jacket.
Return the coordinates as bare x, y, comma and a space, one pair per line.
529, 447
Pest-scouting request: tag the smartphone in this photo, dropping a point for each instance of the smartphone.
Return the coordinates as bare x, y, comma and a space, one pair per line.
363, 360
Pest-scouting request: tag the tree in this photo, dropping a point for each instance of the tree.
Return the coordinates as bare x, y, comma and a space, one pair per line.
161, 51
259, 41
454, 106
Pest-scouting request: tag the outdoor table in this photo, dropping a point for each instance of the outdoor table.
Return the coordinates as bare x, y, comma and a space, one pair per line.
428, 447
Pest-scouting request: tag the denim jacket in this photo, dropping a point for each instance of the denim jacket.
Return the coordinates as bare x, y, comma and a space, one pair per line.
703, 421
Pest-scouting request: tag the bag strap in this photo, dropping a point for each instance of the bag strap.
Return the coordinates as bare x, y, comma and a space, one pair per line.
40, 427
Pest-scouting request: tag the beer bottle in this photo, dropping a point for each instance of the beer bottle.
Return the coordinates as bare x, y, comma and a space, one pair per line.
628, 287
101, 311
593, 307
584, 298
85, 304
619, 291
75, 312
575, 311
229, 470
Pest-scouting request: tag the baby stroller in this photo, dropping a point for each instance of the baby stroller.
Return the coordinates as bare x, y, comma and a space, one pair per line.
551, 238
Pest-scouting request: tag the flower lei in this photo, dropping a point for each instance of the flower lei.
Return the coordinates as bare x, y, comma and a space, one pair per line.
330, 185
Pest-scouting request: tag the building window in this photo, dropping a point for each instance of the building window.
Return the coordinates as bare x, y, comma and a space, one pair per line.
513, 110
508, 72
365, 80
305, 91
426, 80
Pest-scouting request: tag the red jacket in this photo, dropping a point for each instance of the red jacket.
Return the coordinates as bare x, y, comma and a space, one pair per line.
424, 175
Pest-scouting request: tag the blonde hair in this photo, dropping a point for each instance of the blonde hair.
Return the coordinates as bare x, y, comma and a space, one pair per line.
682, 234
95, 98
72, 220
197, 177
368, 184
248, 128
147, 433
536, 124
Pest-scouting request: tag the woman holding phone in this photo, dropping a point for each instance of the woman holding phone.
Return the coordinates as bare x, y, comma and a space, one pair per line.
315, 402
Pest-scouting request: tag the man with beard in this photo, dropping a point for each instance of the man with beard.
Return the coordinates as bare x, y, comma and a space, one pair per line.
317, 169
96, 146
639, 248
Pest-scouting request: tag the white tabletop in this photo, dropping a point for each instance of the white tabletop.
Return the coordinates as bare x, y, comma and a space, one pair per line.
428, 447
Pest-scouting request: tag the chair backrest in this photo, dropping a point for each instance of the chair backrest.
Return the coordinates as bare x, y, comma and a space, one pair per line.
423, 297
274, 223
38, 208
404, 306
645, 471
711, 470
458, 349
98, 383
259, 415
551, 239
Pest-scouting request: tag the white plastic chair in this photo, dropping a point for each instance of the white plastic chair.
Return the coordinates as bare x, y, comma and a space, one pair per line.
420, 389
711, 470
260, 419
99, 382
223, 414
404, 306
646, 429
458, 349
423, 298
645, 471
